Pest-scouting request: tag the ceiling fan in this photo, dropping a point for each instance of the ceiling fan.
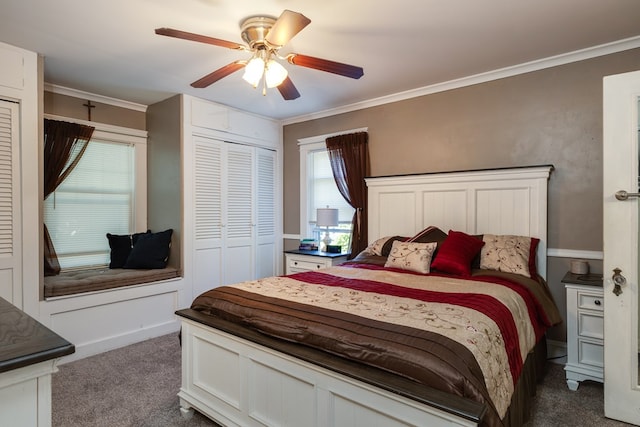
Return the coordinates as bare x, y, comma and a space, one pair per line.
265, 36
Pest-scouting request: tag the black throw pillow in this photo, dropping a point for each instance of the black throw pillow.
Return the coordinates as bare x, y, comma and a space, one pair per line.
150, 251
121, 246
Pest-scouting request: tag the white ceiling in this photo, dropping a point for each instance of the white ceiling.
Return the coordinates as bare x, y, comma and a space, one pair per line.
109, 47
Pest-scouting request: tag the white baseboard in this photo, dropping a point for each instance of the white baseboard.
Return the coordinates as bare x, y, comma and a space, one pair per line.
557, 351
111, 343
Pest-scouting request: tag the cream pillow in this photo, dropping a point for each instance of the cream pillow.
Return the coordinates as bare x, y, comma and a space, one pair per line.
377, 247
509, 254
411, 256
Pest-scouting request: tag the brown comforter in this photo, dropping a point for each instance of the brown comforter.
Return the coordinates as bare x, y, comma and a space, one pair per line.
468, 337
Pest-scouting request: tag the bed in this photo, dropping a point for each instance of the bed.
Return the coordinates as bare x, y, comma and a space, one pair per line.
431, 325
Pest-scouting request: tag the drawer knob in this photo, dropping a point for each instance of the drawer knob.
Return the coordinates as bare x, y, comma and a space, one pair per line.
295, 262
597, 302
318, 266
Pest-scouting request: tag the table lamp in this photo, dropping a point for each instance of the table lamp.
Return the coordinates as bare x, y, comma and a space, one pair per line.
326, 217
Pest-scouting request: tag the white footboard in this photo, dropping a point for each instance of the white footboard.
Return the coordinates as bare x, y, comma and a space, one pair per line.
239, 383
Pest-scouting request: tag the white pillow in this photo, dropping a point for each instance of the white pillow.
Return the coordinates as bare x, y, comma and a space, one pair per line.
411, 256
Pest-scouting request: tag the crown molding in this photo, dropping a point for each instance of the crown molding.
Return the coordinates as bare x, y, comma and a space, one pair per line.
95, 98
527, 67
113, 130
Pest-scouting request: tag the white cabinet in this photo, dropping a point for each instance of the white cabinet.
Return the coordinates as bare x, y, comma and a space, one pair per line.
585, 330
299, 261
28, 358
19, 204
223, 168
234, 213
207, 115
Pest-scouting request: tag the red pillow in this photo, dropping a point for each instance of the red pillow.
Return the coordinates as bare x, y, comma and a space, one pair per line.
456, 253
533, 268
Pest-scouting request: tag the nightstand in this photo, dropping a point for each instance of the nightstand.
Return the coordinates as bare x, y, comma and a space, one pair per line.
585, 328
298, 261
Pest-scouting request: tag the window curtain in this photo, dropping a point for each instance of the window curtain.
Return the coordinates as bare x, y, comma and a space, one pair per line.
64, 145
349, 158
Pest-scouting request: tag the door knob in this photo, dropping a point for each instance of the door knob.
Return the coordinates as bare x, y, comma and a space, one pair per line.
623, 195
618, 281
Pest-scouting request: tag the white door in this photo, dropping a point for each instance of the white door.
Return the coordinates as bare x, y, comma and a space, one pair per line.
208, 263
620, 158
10, 214
266, 256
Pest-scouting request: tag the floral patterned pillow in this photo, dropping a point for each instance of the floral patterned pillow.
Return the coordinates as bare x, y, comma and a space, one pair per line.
511, 254
382, 246
411, 256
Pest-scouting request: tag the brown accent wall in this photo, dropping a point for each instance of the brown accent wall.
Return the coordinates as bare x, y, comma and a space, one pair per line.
69, 106
551, 116
164, 172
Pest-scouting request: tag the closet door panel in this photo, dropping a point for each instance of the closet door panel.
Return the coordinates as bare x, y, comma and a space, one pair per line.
266, 257
10, 214
208, 270
208, 214
240, 225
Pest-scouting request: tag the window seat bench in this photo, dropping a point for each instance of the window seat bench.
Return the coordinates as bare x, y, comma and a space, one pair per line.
75, 282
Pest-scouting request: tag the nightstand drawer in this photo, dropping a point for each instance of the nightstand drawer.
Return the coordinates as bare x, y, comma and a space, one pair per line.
590, 325
591, 353
591, 302
298, 261
305, 265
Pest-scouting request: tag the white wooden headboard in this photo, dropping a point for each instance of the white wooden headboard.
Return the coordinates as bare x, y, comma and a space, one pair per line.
496, 201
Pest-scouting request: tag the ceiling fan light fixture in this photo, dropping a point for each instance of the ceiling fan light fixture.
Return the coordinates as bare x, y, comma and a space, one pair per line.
275, 74
253, 71
264, 36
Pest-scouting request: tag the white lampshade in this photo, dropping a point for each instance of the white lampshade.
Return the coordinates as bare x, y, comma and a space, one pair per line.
253, 71
326, 217
275, 74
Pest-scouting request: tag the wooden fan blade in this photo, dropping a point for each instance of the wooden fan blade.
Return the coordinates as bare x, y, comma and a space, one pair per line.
325, 65
170, 32
285, 28
288, 90
218, 74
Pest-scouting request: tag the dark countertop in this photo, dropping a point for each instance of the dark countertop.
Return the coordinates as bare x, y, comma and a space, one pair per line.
317, 253
590, 279
24, 341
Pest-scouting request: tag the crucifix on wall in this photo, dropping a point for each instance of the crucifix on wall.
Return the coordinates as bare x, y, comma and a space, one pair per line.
89, 106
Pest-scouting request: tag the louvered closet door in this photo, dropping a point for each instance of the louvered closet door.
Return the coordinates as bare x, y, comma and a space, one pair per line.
240, 227
266, 213
10, 237
208, 214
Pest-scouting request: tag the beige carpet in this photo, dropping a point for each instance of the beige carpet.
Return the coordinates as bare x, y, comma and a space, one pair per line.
137, 386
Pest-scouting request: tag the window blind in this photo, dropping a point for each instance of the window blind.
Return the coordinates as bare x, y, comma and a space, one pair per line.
96, 198
323, 189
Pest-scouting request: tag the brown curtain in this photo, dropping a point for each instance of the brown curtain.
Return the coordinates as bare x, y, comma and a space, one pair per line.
64, 145
349, 157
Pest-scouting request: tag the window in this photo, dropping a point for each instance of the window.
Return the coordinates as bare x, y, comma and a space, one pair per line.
318, 190
101, 195
322, 192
